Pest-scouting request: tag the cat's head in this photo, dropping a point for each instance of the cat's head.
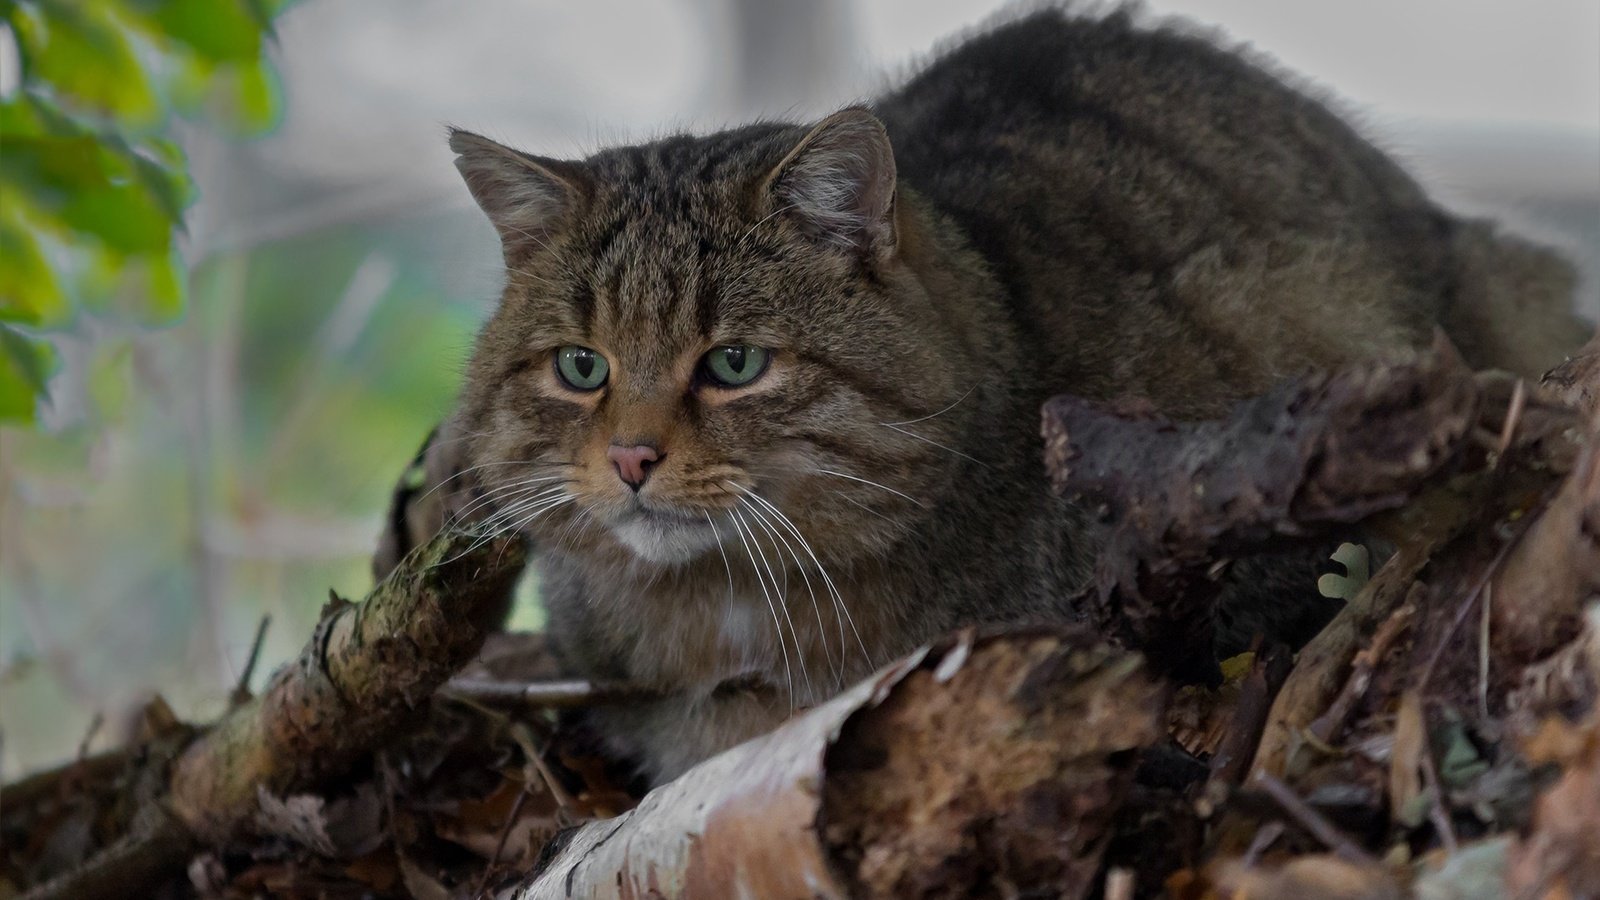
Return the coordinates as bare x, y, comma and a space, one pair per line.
703, 340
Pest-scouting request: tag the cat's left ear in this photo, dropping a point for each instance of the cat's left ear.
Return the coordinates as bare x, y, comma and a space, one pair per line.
839, 183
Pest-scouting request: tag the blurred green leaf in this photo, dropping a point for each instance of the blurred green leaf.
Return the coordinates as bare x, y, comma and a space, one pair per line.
252, 104
244, 95
30, 293
25, 365
127, 217
109, 377
166, 179
156, 290
81, 50
94, 191
215, 29
148, 289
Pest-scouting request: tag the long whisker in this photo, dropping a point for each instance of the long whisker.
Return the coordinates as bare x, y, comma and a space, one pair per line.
914, 436
547, 506
717, 535
727, 610
777, 629
822, 634
486, 538
934, 415
515, 503
783, 604
861, 506
581, 520
471, 469
839, 603
506, 491
506, 527
873, 483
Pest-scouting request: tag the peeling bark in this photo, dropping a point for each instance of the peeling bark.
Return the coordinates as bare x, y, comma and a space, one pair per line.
1538, 595
1577, 381
981, 763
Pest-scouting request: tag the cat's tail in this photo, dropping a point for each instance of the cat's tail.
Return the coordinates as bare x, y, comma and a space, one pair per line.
1513, 307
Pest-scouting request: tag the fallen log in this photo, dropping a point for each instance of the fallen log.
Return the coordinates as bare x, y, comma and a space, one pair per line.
977, 766
1577, 381
1537, 596
367, 668
1180, 498
982, 765
1303, 462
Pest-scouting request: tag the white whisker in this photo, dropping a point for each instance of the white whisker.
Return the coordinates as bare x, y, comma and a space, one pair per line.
471, 469
840, 605
777, 629
914, 436
486, 538
783, 603
504, 492
871, 482
822, 634
515, 504
934, 415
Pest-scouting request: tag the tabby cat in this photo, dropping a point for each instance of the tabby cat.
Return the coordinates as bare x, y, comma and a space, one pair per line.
766, 400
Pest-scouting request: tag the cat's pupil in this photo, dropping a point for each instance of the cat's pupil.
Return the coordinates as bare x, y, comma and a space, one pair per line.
735, 357
583, 363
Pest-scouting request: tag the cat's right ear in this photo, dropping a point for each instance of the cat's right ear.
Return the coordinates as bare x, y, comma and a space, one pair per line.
527, 198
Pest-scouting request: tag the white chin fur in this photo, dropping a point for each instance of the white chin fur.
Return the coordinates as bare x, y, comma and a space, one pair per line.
665, 542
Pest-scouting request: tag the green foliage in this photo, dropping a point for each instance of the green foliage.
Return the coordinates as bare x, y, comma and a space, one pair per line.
92, 187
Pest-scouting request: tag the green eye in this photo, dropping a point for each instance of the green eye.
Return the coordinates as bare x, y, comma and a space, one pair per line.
736, 366
581, 368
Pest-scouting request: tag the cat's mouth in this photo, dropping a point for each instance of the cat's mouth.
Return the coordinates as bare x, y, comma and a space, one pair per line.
664, 535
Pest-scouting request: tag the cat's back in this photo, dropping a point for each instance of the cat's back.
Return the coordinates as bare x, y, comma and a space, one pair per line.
1145, 186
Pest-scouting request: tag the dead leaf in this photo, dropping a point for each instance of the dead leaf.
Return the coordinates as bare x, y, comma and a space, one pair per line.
420, 884
1562, 852
1474, 872
298, 819
1405, 758
1316, 877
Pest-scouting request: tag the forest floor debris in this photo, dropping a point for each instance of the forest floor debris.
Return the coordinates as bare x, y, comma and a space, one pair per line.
1439, 738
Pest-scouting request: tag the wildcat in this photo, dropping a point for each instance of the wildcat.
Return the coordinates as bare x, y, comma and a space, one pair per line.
766, 400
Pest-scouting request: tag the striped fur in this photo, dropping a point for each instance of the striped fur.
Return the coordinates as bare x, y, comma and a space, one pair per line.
1071, 204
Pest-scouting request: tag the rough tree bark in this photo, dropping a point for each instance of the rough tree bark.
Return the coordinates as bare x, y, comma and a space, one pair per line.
367, 667
1298, 463
977, 766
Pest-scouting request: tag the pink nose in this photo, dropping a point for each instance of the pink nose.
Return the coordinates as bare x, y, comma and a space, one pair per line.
633, 464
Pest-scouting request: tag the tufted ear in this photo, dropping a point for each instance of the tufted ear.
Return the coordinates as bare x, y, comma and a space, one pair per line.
839, 183
528, 198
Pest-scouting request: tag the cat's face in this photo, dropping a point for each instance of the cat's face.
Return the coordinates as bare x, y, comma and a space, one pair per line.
705, 343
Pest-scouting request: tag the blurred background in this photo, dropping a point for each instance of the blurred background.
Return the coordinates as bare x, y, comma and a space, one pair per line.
214, 455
